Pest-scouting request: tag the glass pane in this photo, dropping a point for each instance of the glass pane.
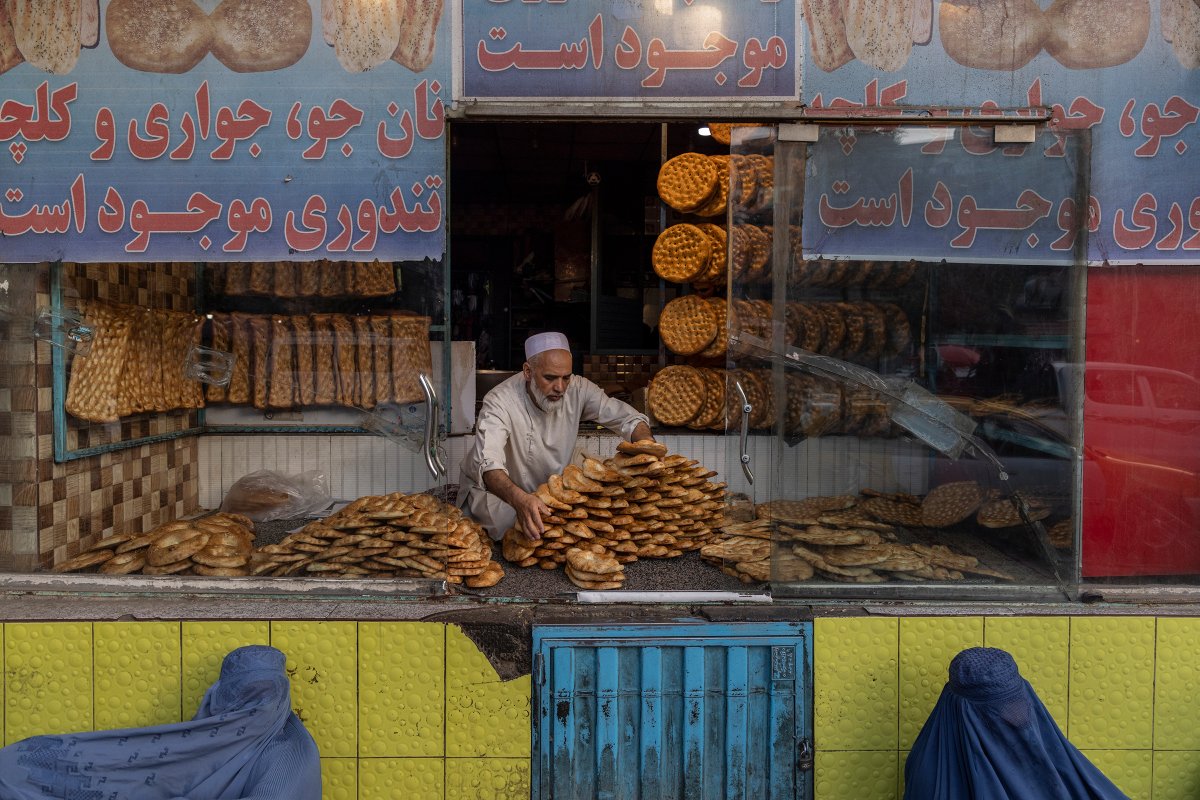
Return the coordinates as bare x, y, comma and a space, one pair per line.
904, 338
100, 434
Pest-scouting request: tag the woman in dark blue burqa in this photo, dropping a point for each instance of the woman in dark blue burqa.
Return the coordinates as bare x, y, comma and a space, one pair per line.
990, 738
244, 743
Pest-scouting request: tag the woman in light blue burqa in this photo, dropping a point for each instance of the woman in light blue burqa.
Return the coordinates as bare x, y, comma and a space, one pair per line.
990, 738
244, 743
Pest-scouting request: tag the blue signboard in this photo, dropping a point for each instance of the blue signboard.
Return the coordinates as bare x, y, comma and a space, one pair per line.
932, 193
1127, 71
630, 49
319, 142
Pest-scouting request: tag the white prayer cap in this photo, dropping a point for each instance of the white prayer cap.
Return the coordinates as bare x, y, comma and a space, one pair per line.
541, 342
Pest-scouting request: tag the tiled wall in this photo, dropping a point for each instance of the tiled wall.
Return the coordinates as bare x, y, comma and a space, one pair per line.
18, 420
398, 709
1123, 690
414, 710
68, 504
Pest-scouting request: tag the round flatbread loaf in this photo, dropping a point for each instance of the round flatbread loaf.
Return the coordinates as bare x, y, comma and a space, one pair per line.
84, 560
687, 325
718, 261
169, 36
687, 181
681, 253
260, 35
675, 395
951, 503
643, 447
720, 343
1003, 513
719, 202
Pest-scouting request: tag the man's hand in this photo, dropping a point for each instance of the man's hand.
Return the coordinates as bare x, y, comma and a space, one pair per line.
641, 432
530, 510
528, 507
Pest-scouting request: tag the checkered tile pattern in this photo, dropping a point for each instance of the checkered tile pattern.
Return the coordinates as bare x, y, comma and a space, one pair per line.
49, 511
627, 372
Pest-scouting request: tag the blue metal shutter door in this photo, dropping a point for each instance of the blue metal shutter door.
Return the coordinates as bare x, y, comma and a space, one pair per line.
672, 712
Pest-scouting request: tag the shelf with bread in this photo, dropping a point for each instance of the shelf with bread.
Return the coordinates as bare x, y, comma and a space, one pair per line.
334, 340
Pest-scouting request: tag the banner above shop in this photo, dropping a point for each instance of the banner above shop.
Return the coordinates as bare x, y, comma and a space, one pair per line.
941, 193
211, 132
1127, 71
630, 50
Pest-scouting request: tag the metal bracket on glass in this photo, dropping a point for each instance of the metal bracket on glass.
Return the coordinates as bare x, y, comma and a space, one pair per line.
214, 367
433, 459
63, 328
747, 410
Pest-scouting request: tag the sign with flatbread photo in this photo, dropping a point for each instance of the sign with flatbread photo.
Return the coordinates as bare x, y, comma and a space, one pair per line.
223, 130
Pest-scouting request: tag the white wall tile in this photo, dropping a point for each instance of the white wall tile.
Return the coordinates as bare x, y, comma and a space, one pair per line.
358, 465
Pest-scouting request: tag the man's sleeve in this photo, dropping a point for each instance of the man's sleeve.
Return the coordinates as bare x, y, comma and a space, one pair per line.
491, 441
613, 414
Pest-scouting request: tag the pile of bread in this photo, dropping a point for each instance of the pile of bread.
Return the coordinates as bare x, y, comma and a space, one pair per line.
641, 503
218, 545
387, 536
844, 539
288, 279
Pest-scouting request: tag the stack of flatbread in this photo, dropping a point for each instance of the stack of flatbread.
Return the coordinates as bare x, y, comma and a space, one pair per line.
219, 545
842, 538
387, 536
641, 503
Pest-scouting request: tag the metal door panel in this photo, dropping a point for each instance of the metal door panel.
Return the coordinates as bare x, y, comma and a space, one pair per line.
672, 712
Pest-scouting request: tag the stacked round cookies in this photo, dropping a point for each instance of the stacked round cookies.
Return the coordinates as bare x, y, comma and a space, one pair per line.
703, 398
641, 503
859, 331
218, 545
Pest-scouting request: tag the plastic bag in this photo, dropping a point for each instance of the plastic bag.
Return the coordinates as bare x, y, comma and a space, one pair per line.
268, 495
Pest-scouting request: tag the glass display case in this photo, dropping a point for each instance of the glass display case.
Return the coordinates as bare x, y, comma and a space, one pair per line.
116, 378
902, 301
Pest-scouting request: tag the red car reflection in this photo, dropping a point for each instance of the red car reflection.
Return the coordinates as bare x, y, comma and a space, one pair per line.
1141, 470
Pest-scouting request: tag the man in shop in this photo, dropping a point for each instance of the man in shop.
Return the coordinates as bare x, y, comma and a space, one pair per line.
526, 432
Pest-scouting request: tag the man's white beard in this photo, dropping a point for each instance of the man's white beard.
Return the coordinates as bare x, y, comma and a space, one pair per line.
548, 406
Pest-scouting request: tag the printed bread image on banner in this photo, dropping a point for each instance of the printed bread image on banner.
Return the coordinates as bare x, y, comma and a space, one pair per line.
47, 33
1000, 35
173, 36
367, 33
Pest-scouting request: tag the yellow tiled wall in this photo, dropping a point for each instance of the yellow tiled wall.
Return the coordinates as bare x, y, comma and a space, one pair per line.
414, 710
398, 709
1123, 689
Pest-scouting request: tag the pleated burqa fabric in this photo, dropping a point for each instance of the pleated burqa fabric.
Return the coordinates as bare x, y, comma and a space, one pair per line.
244, 743
990, 738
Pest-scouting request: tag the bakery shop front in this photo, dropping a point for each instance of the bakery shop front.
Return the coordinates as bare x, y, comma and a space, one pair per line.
915, 352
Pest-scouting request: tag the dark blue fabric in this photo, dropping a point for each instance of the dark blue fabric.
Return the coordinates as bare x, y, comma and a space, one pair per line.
990, 738
244, 743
